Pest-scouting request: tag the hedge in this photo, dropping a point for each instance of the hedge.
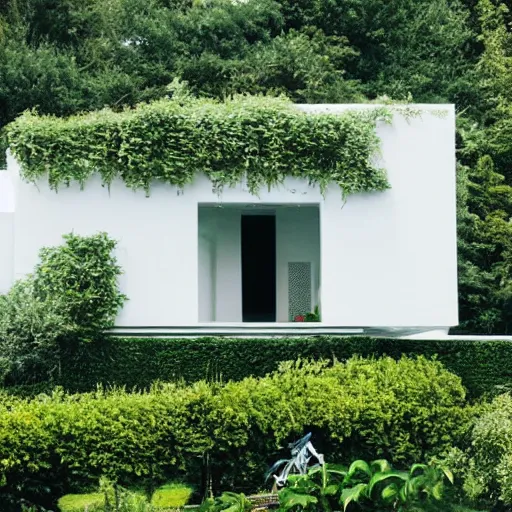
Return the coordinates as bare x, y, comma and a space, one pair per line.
405, 411
484, 366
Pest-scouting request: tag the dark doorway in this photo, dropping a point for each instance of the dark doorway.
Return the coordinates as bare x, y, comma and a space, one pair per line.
258, 268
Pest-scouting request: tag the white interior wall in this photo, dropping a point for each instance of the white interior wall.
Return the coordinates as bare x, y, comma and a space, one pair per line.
298, 240
228, 258
206, 280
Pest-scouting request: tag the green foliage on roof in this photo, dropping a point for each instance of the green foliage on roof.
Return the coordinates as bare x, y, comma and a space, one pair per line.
258, 139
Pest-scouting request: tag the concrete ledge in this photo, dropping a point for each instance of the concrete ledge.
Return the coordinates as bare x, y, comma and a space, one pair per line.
262, 330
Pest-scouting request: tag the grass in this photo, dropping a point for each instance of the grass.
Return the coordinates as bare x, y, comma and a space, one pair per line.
94, 502
171, 496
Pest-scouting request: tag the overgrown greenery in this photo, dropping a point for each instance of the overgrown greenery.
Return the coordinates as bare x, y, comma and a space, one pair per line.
261, 140
71, 296
485, 467
367, 486
406, 410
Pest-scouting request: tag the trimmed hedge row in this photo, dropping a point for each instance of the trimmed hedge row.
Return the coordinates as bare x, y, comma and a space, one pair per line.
484, 366
405, 411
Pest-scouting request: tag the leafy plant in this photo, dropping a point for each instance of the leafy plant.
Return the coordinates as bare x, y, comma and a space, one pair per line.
367, 486
487, 464
378, 484
72, 295
227, 502
315, 489
30, 332
313, 316
83, 274
260, 140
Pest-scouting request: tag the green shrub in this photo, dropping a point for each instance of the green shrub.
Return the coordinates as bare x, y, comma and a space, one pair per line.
72, 295
487, 466
30, 330
111, 360
80, 502
82, 273
404, 410
171, 496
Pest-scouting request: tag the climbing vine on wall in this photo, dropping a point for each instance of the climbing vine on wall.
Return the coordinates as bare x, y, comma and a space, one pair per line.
260, 139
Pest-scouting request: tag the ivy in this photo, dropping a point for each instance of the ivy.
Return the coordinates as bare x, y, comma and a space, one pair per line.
258, 139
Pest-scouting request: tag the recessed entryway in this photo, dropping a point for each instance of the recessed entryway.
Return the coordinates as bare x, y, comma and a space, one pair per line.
258, 263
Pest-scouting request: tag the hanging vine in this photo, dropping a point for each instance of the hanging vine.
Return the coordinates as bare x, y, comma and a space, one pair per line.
258, 139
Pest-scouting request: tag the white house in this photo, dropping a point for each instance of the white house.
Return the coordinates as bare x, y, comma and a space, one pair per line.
194, 260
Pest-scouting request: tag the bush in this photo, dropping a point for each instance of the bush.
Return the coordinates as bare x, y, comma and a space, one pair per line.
488, 463
73, 295
94, 502
30, 330
404, 410
83, 274
171, 496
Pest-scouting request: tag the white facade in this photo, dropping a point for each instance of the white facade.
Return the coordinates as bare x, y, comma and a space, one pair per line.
6, 231
383, 259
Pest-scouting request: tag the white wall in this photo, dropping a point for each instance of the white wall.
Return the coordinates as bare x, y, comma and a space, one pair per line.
298, 239
228, 258
6, 232
6, 192
6, 251
390, 258
387, 258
